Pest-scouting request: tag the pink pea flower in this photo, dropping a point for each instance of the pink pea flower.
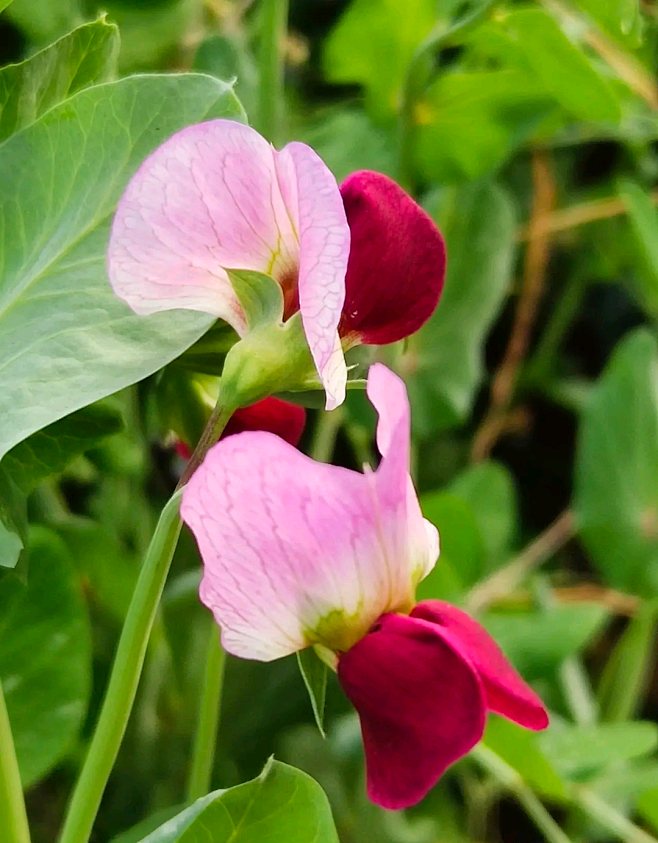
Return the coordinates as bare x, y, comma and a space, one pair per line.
298, 554
217, 196
280, 417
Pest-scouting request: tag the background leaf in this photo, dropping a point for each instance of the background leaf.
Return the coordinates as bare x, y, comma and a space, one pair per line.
45, 657
616, 482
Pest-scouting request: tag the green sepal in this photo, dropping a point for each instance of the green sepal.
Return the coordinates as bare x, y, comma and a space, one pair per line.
315, 399
260, 296
314, 674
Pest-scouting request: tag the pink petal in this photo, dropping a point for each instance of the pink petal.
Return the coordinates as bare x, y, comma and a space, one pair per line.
208, 198
397, 261
409, 534
297, 552
420, 703
310, 189
506, 692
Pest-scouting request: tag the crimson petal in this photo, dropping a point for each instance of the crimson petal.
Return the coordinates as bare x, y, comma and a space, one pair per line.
505, 690
420, 702
271, 414
396, 265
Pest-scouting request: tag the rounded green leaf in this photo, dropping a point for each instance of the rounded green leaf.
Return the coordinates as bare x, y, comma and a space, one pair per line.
616, 482
65, 339
45, 656
280, 806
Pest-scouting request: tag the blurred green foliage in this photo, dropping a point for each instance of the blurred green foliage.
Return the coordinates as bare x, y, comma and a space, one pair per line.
529, 131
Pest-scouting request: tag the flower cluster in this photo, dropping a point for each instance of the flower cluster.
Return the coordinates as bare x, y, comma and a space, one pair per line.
297, 553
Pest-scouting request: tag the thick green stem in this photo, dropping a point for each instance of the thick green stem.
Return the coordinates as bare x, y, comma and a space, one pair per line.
124, 679
512, 781
13, 817
205, 738
326, 431
417, 79
273, 29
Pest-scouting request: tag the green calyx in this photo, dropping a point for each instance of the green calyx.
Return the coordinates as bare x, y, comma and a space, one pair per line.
274, 355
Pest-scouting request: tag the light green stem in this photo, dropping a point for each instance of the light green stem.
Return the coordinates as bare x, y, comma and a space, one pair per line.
273, 29
13, 817
205, 738
601, 811
512, 781
324, 436
124, 679
417, 78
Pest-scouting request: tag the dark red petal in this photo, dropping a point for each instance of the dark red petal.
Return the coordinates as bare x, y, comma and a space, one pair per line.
420, 702
506, 692
397, 261
271, 414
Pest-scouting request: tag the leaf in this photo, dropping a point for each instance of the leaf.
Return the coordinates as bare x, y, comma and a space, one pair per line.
45, 657
44, 20
282, 804
488, 488
65, 339
314, 674
523, 751
446, 356
83, 57
13, 521
462, 548
616, 482
260, 296
469, 122
577, 750
50, 450
621, 18
537, 643
369, 30
562, 66
229, 57
643, 218
648, 807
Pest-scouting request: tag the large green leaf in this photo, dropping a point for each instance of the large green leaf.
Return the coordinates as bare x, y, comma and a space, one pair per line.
65, 339
45, 657
372, 45
50, 450
282, 804
616, 482
446, 356
83, 57
562, 67
44, 20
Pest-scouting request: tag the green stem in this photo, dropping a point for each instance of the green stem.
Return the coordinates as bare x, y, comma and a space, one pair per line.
205, 738
124, 678
273, 29
601, 811
512, 781
417, 78
324, 436
13, 817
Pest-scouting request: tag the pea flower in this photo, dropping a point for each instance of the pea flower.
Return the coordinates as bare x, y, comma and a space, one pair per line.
299, 554
216, 197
